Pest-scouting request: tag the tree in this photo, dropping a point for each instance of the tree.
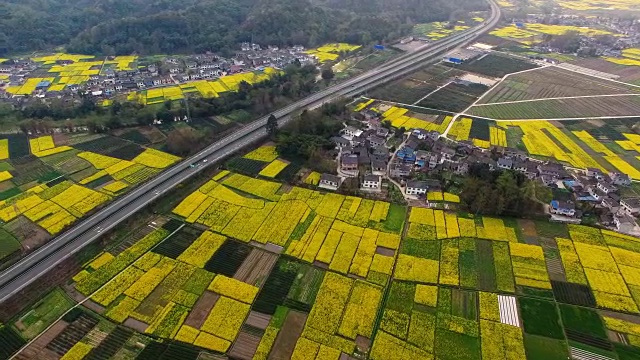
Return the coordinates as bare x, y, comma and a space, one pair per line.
327, 74
182, 140
272, 126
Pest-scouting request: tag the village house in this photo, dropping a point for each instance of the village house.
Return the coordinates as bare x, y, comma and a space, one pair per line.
460, 168
372, 182
415, 187
382, 132
434, 160
612, 203
487, 161
531, 170
515, 154
329, 182
505, 163
596, 193
351, 132
519, 165
340, 142
619, 178
624, 223
565, 208
378, 167
606, 187
399, 169
420, 133
407, 155
595, 173
381, 152
548, 180
376, 141
552, 169
349, 163
630, 205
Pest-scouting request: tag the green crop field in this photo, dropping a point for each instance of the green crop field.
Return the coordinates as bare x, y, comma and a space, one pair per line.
304, 273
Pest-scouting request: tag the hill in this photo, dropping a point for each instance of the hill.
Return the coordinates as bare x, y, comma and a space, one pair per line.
111, 27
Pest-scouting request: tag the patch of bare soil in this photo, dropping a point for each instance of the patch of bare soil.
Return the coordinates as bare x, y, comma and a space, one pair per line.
31, 234
256, 267
258, 320
37, 349
245, 346
288, 336
201, 310
136, 325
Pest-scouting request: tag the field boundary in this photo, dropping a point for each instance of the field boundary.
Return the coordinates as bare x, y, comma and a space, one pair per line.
79, 303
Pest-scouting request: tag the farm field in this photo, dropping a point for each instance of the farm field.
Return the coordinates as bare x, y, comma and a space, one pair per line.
49, 182
481, 132
626, 73
264, 161
419, 88
453, 97
552, 82
608, 145
367, 62
438, 30
78, 71
531, 33
495, 65
569, 108
590, 5
630, 57
404, 116
413, 87
206, 88
254, 271
331, 52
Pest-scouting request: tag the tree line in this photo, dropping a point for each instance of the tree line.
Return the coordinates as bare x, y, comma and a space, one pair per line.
255, 100
117, 27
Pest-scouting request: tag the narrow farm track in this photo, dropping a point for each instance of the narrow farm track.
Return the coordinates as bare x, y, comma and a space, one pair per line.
30, 268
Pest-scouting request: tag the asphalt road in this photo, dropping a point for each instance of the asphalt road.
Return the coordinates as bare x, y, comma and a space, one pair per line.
28, 269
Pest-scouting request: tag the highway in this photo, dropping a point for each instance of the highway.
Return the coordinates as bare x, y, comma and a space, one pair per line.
31, 267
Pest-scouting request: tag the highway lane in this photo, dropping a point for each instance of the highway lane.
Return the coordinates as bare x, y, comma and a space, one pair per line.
21, 274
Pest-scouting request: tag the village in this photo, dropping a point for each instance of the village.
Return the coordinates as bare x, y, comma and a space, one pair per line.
371, 154
105, 82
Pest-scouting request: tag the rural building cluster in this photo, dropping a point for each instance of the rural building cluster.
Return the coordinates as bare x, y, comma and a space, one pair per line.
67, 76
365, 153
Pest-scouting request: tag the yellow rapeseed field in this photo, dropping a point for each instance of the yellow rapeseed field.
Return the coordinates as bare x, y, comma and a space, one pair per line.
4, 149
274, 168
155, 159
5, 175
266, 153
